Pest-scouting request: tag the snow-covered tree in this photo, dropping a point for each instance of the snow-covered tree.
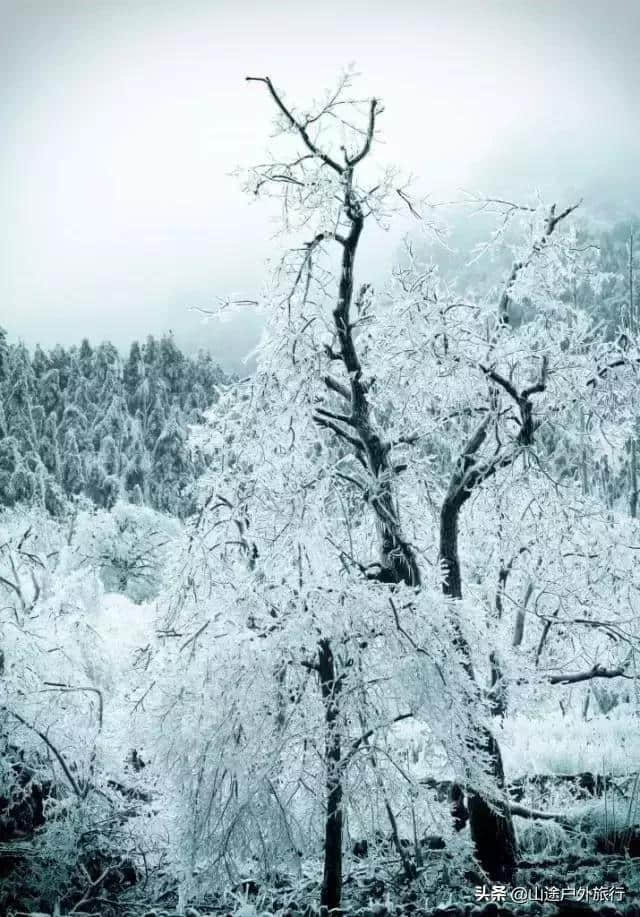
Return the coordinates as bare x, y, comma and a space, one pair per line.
73, 477
378, 497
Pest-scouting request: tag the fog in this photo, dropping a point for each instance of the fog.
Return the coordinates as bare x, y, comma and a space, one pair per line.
122, 122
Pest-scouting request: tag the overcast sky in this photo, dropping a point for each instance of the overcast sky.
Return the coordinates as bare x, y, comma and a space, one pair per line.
122, 120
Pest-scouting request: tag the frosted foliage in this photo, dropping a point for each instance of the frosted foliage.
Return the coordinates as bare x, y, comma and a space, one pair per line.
414, 540
67, 649
286, 551
129, 547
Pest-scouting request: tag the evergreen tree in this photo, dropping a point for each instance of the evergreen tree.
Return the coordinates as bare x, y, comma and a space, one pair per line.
61, 361
9, 463
72, 472
38, 416
95, 480
49, 452
109, 455
22, 485
4, 355
150, 351
50, 393
170, 472
111, 491
74, 420
171, 364
40, 362
155, 423
81, 421
85, 358
133, 375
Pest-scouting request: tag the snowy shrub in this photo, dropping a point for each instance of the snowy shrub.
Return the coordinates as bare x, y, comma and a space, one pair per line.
129, 546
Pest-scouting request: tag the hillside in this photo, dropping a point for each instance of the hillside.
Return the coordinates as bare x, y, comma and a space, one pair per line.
82, 422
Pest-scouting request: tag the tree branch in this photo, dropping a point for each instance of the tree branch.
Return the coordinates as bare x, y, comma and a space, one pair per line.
367, 735
367, 143
597, 671
63, 764
550, 225
300, 128
336, 386
342, 418
330, 425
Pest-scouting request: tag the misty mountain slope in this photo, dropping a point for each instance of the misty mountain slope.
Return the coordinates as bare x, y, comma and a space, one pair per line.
84, 423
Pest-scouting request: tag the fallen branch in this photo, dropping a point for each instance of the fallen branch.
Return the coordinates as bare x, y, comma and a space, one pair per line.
533, 814
597, 671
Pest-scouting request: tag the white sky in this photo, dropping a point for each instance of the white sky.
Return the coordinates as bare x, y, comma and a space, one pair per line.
122, 120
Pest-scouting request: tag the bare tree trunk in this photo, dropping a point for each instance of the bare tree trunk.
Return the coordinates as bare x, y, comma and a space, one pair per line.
332, 879
491, 824
606, 478
497, 693
518, 630
584, 475
521, 614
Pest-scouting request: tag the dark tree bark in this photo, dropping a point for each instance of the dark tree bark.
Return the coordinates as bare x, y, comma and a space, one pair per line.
598, 671
457, 807
398, 563
490, 823
330, 686
633, 488
497, 693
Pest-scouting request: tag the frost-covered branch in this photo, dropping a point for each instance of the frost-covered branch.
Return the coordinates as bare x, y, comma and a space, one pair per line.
597, 671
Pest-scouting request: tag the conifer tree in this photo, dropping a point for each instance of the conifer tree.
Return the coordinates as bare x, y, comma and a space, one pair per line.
4, 355
73, 478
116, 411
49, 451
